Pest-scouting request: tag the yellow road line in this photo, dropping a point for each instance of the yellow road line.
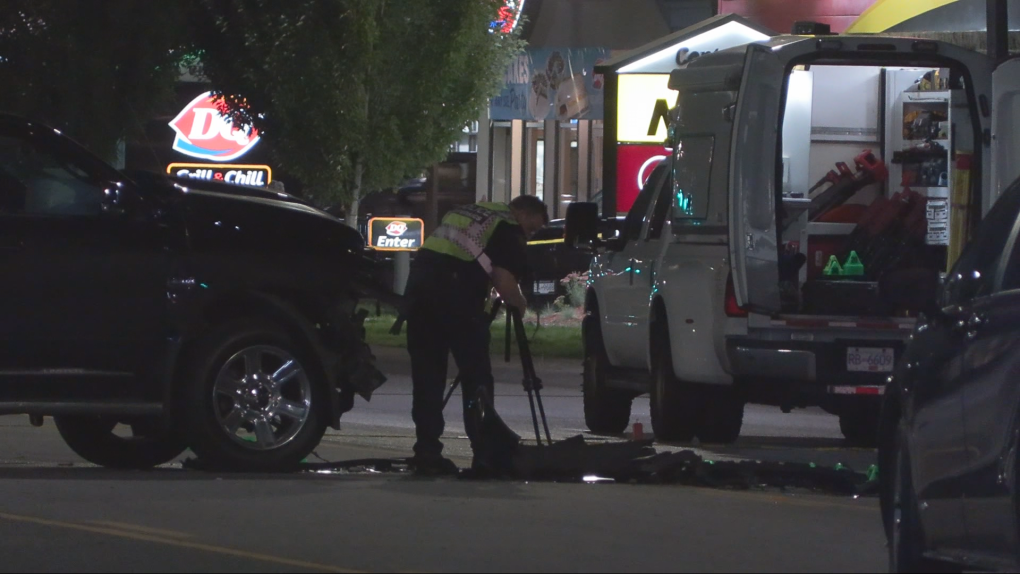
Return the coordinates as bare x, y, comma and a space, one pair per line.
116, 532
143, 529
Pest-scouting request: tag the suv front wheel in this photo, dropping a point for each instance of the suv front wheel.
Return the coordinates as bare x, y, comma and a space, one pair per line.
252, 398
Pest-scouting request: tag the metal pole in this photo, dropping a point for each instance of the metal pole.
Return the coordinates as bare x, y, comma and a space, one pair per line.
998, 31
401, 271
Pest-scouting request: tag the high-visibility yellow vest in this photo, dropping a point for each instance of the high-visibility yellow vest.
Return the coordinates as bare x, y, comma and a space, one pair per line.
466, 231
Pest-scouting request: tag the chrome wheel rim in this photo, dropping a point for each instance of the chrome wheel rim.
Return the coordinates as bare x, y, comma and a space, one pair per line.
262, 398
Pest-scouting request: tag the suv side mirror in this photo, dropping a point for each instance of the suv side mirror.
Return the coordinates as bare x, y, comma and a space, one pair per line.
582, 226
914, 290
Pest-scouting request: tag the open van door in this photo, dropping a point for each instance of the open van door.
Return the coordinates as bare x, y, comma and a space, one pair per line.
754, 240
1005, 126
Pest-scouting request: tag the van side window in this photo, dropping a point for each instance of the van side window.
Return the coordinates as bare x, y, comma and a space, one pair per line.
663, 203
692, 174
636, 216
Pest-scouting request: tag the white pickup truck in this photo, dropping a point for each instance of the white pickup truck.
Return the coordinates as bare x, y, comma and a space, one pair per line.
699, 302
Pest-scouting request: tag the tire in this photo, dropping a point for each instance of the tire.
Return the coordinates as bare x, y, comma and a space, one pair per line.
252, 398
859, 425
92, 438
722, 414
674, 403
606, 411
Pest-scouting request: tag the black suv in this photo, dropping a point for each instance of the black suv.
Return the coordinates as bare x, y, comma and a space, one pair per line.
147, 314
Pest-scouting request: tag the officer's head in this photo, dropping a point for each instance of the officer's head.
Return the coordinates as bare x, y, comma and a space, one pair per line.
530, 213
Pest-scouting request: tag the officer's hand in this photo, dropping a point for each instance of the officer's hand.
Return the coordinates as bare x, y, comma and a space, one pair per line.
507, 287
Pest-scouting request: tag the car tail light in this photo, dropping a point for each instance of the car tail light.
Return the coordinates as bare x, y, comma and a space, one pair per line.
732, 308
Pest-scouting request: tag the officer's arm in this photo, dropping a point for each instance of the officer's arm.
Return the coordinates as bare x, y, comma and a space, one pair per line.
507, 287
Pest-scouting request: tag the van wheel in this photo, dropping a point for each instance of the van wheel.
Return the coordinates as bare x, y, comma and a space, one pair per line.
722, 414
94, 439
606, 411
253, 398
674, 403
859, 425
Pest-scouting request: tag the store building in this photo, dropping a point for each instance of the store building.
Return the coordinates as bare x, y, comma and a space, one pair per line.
545, 134
548, 133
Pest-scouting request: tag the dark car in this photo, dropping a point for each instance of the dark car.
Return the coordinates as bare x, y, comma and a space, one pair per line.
950, 429
191, 314
550, 261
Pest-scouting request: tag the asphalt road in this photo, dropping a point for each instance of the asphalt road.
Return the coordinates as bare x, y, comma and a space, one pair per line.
807, 435
58, 513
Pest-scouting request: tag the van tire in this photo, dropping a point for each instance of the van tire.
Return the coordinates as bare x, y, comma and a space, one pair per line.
859, 425
674, 403
606, 410
722, 414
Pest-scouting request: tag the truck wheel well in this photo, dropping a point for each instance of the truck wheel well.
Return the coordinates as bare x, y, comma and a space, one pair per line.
299, 316
658, 321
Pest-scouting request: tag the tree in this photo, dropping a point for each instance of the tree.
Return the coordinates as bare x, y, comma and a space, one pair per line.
96, 70
355, 94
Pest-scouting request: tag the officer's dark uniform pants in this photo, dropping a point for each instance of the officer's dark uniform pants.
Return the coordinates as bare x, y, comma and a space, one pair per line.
441, 321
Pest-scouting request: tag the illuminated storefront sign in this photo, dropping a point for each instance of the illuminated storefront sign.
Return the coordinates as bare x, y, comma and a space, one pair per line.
508, 16
250, 175
643, 98
395, 233
203, 131
642, 108
635, 164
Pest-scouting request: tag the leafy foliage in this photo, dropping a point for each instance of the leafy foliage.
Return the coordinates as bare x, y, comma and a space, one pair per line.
97, 70
355, 94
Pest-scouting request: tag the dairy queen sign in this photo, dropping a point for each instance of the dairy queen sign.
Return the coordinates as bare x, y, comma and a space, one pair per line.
395, 233
205, 132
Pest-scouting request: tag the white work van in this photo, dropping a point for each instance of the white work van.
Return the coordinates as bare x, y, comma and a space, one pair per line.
720, 290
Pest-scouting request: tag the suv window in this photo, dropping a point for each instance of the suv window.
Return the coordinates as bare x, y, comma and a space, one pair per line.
692, 171
975, 272
36, 181
636, 216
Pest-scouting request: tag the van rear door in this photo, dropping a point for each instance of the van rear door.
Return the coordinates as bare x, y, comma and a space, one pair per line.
754, 240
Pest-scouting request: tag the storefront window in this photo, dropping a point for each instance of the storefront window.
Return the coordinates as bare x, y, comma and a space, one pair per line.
502, 160
534, 180
596, 154
567, 166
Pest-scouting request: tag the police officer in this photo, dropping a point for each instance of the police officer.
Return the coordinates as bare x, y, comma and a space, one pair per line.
475, 248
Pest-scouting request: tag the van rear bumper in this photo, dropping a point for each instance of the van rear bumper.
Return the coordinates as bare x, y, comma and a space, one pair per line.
809, 363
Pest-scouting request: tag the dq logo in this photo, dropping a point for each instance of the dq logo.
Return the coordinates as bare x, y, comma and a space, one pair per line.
396, 229
204, 131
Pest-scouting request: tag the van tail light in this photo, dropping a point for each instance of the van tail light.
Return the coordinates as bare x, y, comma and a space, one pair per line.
732, 309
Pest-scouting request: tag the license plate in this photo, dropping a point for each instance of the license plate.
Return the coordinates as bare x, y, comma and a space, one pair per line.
545, 287
870, 360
